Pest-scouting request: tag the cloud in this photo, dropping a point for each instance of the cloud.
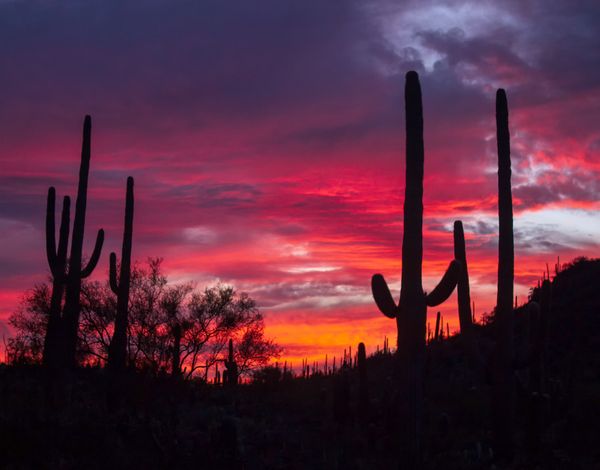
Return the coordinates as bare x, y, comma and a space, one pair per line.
266, 138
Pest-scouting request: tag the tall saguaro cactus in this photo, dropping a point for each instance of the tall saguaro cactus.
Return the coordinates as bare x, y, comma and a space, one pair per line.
57, 261
76, 273
411, 312
117, 354
503, 376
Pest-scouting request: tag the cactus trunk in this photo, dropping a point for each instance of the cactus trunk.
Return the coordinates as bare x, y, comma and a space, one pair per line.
411, 324
411, 312
232, 367
57, 260
503, 377
117, 355
76, 273
464, 295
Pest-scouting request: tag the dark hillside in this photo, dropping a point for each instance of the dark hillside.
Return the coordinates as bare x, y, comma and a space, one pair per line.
283, 422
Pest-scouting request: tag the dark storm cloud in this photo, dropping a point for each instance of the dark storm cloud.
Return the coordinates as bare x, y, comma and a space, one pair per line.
557, 186
191, 61
483, 228
229, 195
538, 240
487, 56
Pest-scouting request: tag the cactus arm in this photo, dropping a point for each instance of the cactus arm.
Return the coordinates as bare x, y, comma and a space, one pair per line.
383, 297
95, 255
114, 285
446, 285
50, 228
124, 279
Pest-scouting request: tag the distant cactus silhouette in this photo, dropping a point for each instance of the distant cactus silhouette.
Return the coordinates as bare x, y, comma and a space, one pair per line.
411, 312
230, 376
57, 260
437, 326
503, 375
69, 323
217, 378
363, 385
117, 354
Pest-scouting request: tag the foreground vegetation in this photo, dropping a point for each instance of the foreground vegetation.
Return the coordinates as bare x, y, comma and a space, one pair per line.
281, 422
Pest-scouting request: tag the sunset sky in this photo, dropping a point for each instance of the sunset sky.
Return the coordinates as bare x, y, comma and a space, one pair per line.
266, 139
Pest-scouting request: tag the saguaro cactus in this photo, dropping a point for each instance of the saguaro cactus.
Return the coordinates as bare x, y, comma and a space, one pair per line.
117, 354
410, 313
231, 377
437, 326
217, 379
465, 316
503, 376
57, 260
70, 318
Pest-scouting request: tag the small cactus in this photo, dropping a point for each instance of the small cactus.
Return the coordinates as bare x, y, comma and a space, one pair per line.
217, 378
230, 376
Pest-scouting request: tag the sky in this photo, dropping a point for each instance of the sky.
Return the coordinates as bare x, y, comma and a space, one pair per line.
266, 139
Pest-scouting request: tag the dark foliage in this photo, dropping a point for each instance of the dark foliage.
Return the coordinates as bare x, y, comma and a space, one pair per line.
280, 422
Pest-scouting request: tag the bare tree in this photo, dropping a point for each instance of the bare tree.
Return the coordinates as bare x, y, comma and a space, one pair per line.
171, 329
254, 350
216, 315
